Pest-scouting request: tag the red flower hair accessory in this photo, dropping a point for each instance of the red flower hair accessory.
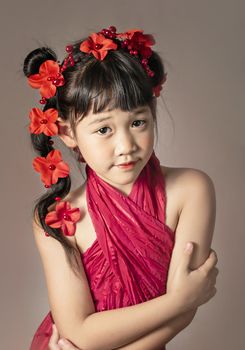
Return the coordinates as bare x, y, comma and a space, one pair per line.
64, 217
51, 167
43, 122
137, 42
48, 78
133, 41
98, 45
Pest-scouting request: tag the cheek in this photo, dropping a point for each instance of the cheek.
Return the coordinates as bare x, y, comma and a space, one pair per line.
95, 150
148, 139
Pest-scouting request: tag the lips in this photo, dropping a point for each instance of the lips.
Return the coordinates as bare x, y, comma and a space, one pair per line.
128, 163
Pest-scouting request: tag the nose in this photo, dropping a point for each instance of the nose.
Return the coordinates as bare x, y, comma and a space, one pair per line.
125, 144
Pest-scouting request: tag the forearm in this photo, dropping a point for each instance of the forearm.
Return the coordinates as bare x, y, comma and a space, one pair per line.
157, 339
111, 329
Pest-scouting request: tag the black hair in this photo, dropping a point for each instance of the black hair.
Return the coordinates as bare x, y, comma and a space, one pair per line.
118, 81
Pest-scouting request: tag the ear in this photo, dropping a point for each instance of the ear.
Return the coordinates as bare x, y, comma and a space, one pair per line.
65, 133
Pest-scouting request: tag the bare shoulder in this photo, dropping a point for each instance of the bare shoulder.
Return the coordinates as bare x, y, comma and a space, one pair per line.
183, 183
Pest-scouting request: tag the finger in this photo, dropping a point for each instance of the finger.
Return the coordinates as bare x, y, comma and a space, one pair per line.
215, 257
215, 254
211, 261
53, 341
186, 258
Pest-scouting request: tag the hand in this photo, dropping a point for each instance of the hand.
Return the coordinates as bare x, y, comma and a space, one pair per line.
194, 287
57, 343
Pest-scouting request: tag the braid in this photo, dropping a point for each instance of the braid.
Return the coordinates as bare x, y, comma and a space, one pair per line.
43, 145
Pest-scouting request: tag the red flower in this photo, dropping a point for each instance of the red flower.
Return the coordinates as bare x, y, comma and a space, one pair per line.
51, 167
47, 79
158, 88
128, 34
64, 217
137, 42
98, 45
43, 122
142, 42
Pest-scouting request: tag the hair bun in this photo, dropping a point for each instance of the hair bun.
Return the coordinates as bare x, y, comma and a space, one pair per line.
35, 58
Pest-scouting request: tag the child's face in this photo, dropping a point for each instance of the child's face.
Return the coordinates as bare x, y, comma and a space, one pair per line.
124, 137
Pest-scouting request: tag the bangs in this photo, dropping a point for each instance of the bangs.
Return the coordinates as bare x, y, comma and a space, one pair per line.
116, 83
116, 88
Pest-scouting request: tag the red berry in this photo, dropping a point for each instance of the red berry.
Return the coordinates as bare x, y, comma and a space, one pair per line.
112, 29
52, 167
69, 48
56, 81
65, 216
43, 101
98, 46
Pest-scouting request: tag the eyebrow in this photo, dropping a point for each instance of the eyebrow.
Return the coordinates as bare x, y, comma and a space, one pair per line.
100, 120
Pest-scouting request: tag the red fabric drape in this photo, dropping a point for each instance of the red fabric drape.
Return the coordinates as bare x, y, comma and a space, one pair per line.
128, 262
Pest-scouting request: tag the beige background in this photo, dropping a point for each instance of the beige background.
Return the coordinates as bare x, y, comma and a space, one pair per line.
202, 43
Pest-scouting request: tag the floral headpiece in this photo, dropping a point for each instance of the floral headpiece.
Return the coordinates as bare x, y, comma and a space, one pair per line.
50, 76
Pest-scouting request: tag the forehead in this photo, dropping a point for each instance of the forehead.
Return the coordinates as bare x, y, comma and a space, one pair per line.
111, 113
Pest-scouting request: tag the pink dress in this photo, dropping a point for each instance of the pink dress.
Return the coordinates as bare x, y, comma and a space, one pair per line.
128, 262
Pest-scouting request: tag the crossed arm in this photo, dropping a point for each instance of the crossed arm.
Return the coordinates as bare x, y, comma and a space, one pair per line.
157, 339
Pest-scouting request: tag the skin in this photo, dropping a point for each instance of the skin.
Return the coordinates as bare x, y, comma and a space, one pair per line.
125, 137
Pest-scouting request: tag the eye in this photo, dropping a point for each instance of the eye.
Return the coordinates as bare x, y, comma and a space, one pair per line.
103, 133
144, 122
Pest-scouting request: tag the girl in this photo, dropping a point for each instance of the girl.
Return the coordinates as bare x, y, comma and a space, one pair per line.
113, 250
